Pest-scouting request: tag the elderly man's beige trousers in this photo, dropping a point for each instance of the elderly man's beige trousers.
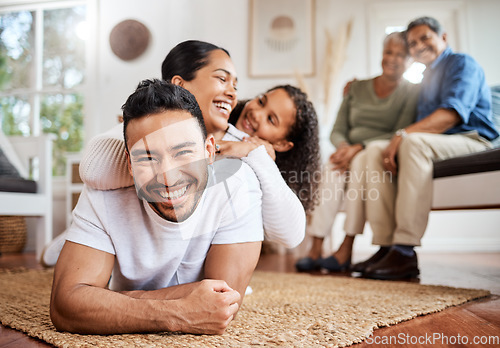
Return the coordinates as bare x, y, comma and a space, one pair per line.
398, 207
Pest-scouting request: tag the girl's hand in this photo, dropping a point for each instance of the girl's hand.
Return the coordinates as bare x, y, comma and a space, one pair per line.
258, 141
235, 149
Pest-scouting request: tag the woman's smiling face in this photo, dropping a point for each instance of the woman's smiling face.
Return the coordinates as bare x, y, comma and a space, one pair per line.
214, 88
395, 59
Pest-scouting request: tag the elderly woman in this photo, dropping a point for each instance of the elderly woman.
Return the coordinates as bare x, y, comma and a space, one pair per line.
372, 109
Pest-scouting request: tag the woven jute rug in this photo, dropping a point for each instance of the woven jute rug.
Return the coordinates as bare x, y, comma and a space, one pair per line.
294, 310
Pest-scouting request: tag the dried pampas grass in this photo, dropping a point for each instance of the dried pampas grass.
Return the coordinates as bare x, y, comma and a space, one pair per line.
335, 56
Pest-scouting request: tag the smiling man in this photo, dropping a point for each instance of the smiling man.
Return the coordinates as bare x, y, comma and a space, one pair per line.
453, 118
177, 251
167, 163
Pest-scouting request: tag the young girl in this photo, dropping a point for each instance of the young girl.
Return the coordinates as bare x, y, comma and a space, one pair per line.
298, 156
280, 123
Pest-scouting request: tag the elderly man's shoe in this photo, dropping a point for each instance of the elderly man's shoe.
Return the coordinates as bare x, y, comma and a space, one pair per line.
379, 255
394, 266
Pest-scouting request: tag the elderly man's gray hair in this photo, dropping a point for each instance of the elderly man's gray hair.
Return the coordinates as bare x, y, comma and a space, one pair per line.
432, 23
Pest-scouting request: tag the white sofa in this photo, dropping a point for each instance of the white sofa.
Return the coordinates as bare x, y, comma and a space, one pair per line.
31, 156
471, 181
467, 182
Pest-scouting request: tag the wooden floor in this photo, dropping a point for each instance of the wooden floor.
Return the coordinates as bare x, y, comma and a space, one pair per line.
475, 324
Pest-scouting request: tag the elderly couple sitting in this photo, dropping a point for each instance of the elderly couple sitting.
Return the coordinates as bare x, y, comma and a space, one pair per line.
387, 135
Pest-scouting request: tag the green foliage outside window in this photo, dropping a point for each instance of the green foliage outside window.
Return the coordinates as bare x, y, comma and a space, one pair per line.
63, 116
45, 97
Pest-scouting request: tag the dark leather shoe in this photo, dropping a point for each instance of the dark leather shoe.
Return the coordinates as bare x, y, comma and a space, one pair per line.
394, 266
307, 264
379, 255
331, 264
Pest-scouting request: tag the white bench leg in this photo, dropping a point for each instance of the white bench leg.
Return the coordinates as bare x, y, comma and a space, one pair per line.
43, 233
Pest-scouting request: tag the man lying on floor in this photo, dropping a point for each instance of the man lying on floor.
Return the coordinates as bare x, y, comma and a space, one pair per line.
177, 252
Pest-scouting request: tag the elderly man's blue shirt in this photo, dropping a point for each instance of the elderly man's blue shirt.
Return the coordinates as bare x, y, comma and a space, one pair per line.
456, 81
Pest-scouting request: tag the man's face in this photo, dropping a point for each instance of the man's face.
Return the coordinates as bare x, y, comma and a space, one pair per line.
425, 45
168, 160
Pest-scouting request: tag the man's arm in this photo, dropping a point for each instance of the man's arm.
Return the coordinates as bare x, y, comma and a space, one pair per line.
81, 303
438, 122
235, 248
233, 263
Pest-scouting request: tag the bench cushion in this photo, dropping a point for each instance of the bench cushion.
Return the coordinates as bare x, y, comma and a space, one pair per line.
17, 185
484, 161
6, 168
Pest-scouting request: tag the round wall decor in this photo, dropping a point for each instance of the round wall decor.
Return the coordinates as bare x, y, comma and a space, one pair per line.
129, 39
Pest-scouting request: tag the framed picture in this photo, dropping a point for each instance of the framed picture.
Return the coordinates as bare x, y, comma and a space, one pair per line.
281, 38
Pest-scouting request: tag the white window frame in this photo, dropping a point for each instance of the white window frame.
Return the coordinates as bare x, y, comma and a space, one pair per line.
87, 88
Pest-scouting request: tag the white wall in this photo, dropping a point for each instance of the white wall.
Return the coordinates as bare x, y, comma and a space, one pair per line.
484, 27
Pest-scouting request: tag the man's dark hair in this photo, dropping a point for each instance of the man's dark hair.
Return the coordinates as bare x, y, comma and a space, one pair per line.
186, 59
156, 96
432, 23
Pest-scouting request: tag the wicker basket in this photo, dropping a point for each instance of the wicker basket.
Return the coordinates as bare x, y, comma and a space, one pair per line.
12, 234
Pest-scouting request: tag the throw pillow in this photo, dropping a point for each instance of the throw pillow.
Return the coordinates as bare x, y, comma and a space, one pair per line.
6, 168
495, 106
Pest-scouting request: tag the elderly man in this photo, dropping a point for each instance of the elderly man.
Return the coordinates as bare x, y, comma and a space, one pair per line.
176, 252
453, 118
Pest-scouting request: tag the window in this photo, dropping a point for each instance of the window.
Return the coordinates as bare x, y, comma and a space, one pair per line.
42, 73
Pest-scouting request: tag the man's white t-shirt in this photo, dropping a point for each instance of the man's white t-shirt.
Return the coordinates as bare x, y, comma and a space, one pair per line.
153, 253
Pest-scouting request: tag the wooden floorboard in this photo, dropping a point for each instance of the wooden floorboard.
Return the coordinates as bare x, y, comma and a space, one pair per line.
15, 339
456, 326
488, 310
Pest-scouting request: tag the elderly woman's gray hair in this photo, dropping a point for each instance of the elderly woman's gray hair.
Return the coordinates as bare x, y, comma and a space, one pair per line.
398, 37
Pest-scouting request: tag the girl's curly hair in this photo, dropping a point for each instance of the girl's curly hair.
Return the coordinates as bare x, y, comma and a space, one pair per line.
299, 166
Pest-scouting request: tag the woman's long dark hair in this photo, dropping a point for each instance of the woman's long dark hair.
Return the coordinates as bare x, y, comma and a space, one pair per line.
186, 59
300, 166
